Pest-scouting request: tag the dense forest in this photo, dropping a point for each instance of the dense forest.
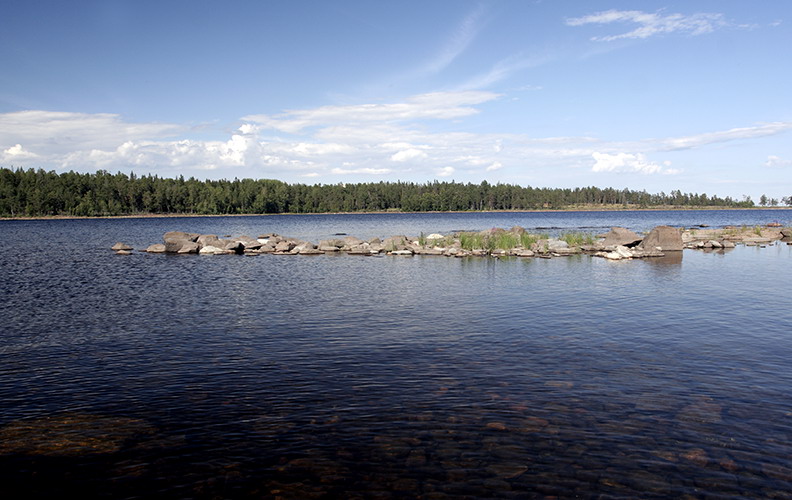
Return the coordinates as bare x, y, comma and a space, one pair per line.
38, 193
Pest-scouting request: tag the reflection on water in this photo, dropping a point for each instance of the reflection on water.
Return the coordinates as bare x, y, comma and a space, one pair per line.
356, 377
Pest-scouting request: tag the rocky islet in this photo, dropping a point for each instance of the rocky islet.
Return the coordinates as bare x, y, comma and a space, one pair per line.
617, 244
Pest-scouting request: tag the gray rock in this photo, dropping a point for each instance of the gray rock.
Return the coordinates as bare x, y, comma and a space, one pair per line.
621, 236
173, 246
523, 253
351, 241
206, 239
285, 246
234, 246
189, 247
156, 248
554, 245
121, 246
248, 242
728, 244
180, 236
664, 238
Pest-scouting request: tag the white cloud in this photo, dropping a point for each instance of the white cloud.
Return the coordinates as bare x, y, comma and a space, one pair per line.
17, 152
495, 166
408, 154
652, 24
776, 161
436, 105
63, 131
627, 162
457, 43
698, 140
445, 172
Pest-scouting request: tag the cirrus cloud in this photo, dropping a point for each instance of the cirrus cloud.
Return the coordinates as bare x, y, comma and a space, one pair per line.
651, 24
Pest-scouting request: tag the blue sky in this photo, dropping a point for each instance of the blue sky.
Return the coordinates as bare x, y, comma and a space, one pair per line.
691, 95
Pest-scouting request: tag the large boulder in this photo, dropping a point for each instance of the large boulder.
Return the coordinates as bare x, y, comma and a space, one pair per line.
664, 238
180, 236
620, 236
188, 247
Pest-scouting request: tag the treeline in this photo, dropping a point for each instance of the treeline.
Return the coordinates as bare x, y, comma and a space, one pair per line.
38, 193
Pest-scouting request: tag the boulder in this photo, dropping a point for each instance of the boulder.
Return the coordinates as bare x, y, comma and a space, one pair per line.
303, 247
156, 248
523, 253
395, 243
180, 236
285, 246
248, 242
173, 246
211, 250
434, 236
189, 247
786, 233
121, 246
555, 245
621, 236
351, 241
205, 239
664, 238
233, 246
517, 230
330, 245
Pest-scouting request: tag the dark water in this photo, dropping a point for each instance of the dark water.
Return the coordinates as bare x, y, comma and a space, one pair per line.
366, 377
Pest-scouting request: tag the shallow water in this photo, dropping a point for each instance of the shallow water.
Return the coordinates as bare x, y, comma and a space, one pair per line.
343, 376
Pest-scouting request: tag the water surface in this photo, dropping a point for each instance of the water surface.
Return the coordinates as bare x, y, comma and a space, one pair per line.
370, 377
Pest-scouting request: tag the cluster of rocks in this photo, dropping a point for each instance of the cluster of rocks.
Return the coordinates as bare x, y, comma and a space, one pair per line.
729, 236
618, 243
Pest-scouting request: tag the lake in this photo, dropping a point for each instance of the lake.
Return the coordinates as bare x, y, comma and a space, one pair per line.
392, 377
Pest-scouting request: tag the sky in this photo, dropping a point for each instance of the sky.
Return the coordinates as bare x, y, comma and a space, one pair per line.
691, 95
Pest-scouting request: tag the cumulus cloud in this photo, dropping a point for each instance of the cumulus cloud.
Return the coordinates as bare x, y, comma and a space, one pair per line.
17, 152
651, 24
628, 162
408, 154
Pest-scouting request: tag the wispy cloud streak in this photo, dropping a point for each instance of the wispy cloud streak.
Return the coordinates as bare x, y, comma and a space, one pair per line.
651, 24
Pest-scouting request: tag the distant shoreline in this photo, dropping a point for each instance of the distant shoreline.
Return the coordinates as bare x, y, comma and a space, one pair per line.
385, 212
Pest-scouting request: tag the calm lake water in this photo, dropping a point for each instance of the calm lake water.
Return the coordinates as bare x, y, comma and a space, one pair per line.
392, 377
